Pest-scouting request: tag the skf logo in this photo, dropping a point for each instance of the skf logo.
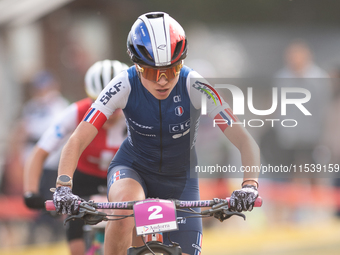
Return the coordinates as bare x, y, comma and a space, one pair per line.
112, 91
179, 110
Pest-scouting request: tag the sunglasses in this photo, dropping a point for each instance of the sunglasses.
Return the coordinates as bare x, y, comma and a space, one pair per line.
154, 74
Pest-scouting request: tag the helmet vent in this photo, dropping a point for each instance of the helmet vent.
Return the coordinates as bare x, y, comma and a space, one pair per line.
101, 78
154, 15
134, 52
145, 53
177, 50
112, 73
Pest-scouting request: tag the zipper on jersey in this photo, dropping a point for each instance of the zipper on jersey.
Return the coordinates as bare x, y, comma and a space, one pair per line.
161, 137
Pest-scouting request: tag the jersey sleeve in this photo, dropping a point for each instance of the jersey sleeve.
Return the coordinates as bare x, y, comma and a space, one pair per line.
60, 130
114, 96
215, 107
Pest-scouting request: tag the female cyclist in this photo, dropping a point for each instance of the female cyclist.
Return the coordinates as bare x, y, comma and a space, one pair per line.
156, 95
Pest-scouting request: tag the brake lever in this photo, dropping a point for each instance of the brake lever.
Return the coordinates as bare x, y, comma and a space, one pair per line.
225, 214
221, 211
79, 215
88, 214
218, 204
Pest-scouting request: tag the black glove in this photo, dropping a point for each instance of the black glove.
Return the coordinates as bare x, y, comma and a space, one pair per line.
243, 199
34, 200
65, 202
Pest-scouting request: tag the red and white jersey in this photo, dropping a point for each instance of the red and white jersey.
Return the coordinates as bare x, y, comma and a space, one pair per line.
97, 156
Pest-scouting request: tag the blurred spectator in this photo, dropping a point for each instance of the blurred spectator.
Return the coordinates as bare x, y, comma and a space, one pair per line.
296, 145
332, 135
299, 63
38, 112
301, 144
44, 104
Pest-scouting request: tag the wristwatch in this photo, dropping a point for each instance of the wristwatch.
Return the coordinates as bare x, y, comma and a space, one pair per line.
64, 180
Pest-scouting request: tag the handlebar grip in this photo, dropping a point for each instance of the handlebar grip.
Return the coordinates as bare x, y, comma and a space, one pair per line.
49, 205
258, 202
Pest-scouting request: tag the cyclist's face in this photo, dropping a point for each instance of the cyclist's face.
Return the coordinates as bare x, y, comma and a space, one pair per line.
160, 89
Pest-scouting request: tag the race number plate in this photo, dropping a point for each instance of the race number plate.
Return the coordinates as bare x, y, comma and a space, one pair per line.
154, 216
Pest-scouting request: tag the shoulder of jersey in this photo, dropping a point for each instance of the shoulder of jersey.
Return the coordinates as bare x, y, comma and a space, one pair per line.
185, 71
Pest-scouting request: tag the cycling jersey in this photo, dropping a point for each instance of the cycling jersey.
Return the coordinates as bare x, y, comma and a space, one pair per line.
97, 156
159, 131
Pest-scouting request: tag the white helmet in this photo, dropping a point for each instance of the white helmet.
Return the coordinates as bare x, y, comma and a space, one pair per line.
100, 74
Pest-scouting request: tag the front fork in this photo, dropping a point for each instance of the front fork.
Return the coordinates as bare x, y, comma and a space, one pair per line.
154, 242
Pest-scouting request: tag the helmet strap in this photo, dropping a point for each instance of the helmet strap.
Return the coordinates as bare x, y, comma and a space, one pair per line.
138, 73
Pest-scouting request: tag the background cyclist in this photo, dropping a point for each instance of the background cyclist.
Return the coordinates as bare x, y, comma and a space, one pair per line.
154, 160
92, 166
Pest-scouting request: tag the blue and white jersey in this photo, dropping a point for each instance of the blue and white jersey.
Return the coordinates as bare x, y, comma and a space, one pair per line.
161, 133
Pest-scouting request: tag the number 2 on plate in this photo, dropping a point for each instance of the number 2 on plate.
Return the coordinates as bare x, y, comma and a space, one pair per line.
156, 212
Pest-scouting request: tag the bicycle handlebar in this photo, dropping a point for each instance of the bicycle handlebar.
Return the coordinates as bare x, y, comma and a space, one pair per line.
49, 205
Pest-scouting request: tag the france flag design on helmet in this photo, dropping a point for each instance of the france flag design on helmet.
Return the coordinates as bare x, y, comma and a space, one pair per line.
157, 40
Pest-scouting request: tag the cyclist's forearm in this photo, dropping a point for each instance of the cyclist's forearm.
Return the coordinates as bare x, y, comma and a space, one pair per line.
74, 147
69, 158
250, 152
33, 169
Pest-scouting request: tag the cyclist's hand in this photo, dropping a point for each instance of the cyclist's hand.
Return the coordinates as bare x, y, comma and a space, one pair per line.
243, 199
34, 200
65, 202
